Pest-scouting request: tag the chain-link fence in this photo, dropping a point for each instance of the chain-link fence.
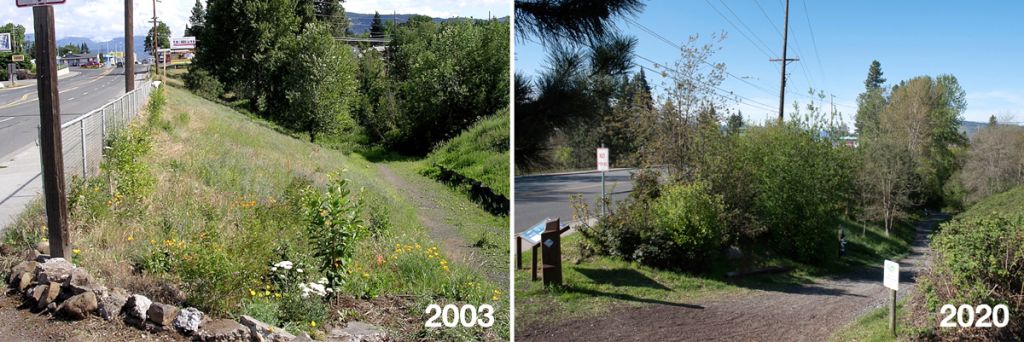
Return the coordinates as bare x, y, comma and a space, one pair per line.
85, 137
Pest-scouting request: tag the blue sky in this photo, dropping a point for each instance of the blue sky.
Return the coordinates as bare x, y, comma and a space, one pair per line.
103, 20
978, 42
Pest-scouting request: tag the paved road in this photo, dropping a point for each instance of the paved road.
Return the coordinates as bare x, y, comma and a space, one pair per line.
88, 90
544, 196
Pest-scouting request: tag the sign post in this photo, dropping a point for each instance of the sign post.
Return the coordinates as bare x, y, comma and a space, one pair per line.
602, 165
551, 250
891, 279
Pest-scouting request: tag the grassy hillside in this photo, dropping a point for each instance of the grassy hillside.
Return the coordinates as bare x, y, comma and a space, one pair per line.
228, 199
478, 155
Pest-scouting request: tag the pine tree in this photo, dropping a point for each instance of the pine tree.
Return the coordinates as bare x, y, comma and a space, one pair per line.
992, 121
875, 79
377, 27
195, 22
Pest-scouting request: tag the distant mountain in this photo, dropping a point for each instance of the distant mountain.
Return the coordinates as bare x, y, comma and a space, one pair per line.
969, 128
116, 44
361, 21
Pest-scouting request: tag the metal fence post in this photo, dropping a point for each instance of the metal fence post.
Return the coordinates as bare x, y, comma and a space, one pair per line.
85, 165
103, 122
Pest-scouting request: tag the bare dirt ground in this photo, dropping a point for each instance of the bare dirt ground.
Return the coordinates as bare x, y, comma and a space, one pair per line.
431, 216
22, 325
805, 312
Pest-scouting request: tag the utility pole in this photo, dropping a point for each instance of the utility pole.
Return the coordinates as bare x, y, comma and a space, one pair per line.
129, 45
50, 139
156, 65
784, 60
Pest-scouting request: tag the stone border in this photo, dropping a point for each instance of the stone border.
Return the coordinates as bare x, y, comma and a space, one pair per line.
56, 286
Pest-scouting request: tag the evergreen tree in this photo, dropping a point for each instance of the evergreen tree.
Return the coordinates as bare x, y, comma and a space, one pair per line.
572, 22
195, 22
875, 79
992, 121
735, 122
377, 27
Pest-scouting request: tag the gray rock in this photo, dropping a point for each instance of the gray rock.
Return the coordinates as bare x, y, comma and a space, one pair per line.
357, 332
24, 281
303, 337
49, 296
162, 314
52, 307
79, 306
43, 247
111, 304
222, 330
33, 295
79, 278
137, 306
54, 270
188, 320
22, 267
42, 257
265, 332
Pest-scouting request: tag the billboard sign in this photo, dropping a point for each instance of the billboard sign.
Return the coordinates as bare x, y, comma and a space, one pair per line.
30, 3
5, 42
183, 43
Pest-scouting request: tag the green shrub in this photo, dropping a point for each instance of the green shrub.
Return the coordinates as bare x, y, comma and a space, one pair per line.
200, 82
132, 179
477, 161
979, 259
799, 184
682, 228
334, 226
688, 218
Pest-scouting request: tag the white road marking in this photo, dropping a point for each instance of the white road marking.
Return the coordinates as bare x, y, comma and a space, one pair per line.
71, 99
85, 93
6, 119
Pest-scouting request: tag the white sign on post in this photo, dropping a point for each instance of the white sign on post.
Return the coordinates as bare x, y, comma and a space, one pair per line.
602, 159
5, 42
183, 43
891, 278
30, 3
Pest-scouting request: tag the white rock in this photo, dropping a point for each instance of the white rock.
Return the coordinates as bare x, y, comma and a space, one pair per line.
188, 320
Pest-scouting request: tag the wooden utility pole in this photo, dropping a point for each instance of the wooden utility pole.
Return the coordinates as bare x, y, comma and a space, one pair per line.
784, 60
51, 147
156, 64
129, 46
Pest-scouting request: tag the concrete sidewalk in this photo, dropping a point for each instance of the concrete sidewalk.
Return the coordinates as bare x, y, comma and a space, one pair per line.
21, 182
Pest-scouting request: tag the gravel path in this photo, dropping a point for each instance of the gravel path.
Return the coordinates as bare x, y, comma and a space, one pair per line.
805, 312
22, 325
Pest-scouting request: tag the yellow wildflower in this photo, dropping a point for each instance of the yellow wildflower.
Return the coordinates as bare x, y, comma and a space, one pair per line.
76, 251
130, 238
312, 324
252, 293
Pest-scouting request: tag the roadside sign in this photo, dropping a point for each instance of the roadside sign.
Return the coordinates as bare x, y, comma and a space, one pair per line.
30, 3
183, 43
18, 58
891, 278
602, 159
5, 42
533, 234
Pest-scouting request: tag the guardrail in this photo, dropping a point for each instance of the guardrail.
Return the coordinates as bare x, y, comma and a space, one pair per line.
85, 137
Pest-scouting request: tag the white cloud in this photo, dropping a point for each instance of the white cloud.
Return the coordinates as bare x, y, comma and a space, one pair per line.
103, 20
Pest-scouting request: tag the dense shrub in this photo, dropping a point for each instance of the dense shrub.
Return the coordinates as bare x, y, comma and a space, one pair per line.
799, 184
979, 260
200, 82
682, 228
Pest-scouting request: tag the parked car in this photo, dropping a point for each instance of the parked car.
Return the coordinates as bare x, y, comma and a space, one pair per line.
91, 65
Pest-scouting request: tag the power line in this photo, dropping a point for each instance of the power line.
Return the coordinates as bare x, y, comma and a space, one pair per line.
768, 53
814, 43
740, 20
719, 91
677, 46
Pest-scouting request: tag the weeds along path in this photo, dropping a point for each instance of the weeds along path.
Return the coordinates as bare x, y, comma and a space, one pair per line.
805, 312
435, 218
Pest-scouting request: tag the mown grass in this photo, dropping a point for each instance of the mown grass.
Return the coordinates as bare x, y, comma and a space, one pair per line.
225, 209
595, 285
874, 326
480, 154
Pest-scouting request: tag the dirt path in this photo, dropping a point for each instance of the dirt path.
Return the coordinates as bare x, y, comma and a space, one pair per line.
432, 216
806, 312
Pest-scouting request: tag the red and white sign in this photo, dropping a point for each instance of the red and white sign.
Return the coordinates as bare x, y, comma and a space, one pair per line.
602, 159
183, 43
31, 3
